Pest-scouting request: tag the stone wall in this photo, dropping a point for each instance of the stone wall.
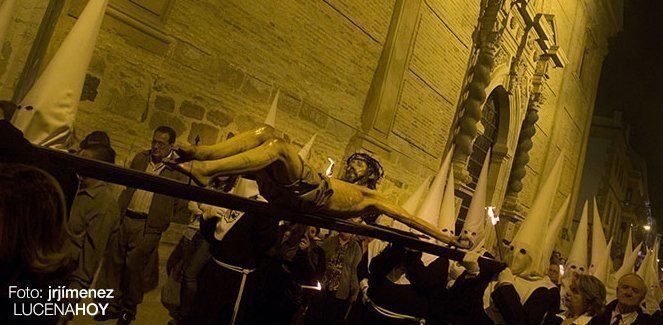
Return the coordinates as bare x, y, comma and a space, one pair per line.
208, 67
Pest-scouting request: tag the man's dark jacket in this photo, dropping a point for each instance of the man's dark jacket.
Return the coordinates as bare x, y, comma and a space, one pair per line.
164, 208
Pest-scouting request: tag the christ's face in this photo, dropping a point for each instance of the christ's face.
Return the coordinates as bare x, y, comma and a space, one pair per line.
355, 171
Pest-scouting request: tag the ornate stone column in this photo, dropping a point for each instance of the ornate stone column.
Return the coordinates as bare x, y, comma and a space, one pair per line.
551, 55
488, 42
521, 157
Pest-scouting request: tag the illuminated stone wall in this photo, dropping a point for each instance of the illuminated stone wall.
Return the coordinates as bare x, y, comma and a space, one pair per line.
210, 67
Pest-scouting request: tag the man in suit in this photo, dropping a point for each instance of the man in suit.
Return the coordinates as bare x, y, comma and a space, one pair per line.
145, 216
625, 310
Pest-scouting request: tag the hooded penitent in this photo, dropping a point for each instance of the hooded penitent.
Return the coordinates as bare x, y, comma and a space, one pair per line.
430, 207
577, 261
598, 238
49, 108
629, 243
527, 245
490, 239
602, 268
628, 266
473, 228
553, 234
305, 151
447, 219
411, 206
649, 272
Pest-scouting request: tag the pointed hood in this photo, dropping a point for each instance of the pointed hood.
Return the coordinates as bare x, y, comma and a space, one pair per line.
553, 233
531, 235
577, 260
649, 272
447, 219
629, 243
473, 228
411, 205
270, 119
305, 151
628, 266
430, 207
490, 239
598, 238
601, 270
6, 10
642, 270
54, 97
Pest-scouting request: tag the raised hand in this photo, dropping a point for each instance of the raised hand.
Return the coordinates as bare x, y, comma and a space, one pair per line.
183, 153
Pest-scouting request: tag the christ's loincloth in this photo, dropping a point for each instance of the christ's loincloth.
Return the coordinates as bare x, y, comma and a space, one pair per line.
309, 194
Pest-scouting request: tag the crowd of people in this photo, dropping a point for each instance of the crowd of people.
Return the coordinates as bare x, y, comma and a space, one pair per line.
232, 267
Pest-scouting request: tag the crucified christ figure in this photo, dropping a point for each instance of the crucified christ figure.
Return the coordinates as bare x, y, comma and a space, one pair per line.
285, 179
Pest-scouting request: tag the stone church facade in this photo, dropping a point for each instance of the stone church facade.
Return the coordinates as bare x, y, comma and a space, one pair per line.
403, 79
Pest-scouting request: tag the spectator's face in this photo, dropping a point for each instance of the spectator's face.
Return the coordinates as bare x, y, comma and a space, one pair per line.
630, 290
573, 298
161, 146
553, 273
355, 171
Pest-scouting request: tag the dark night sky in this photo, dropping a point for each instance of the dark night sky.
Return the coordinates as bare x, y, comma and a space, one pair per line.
632, 82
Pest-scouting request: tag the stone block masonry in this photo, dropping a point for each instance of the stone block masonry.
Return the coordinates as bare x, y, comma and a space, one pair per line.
209, 67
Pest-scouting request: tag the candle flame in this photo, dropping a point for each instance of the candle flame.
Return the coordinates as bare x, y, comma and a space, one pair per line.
330, 168
315, 287
494, 219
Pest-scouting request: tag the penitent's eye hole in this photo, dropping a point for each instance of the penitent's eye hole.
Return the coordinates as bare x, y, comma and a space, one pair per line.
523, 251
474, 233
511, 247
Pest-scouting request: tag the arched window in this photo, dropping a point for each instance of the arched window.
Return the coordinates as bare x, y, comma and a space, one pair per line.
486, 138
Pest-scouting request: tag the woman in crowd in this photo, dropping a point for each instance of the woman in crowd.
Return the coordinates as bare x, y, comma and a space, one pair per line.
33, 234
584, 299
